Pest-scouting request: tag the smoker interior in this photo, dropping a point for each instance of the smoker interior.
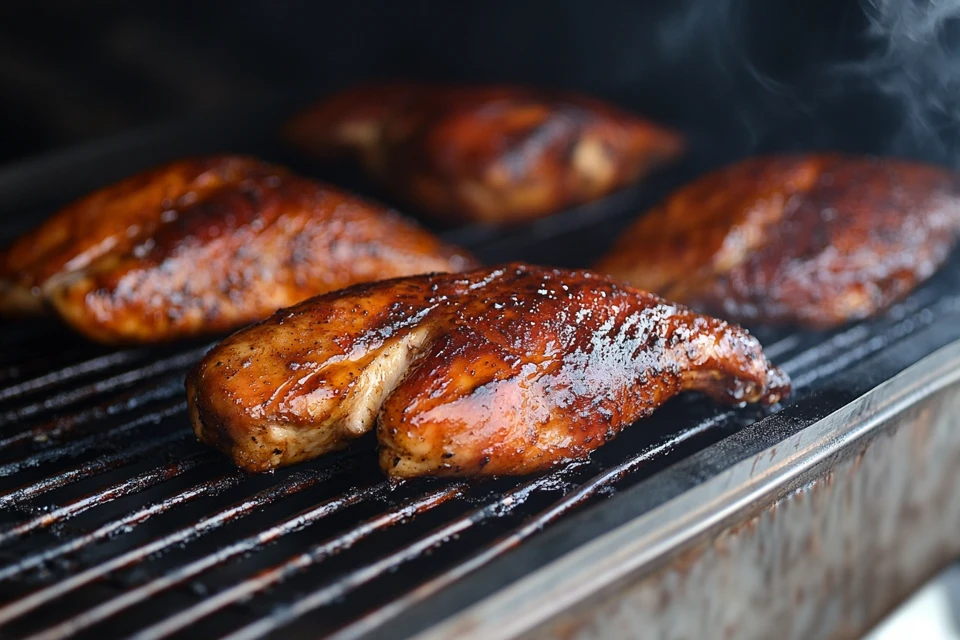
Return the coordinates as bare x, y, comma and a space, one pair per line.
114, 519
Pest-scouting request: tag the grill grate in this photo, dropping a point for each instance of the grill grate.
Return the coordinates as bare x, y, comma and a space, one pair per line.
112, 517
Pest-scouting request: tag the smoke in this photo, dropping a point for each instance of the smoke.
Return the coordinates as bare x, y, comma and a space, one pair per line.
739, 77
873, 76
722, 78
913, 59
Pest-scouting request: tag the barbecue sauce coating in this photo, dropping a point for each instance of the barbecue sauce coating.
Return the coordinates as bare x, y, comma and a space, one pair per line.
113, 219
204, 246
814, 240
498, 371
495, 154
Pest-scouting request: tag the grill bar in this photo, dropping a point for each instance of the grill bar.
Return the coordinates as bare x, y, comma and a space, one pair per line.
19, 361
65, 399
145, 480
876, 343
90, 469
341, 587
292, 485
71, 372
186, 572
65, 425
126, 523
92, 442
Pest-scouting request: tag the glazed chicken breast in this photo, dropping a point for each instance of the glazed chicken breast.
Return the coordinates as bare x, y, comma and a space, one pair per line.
204, 246
493, 154
498, 371
810, 240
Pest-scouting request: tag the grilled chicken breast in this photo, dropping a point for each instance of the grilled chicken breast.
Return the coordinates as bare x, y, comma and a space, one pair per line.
206, 245
497, 371
494, 154
812, 240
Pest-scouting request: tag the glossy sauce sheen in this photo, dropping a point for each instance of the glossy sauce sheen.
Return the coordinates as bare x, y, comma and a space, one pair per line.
204, 246
498, 371
113, 219
815, 240
495, 154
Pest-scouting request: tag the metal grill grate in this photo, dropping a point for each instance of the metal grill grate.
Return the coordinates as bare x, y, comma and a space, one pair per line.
112, 518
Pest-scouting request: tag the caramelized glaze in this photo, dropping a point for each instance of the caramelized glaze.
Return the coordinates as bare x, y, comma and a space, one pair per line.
813, 240
228, 244
113, 219
496, 154
498, 371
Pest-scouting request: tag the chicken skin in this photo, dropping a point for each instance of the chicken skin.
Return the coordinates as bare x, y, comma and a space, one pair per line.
499, 371
204, 246
807, 240
492, 154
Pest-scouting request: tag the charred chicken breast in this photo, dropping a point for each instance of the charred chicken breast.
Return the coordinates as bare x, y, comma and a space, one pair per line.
813, 240
495, 154
498, 371
203, 246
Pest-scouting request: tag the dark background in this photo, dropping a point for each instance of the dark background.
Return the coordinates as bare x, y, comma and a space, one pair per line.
739, 76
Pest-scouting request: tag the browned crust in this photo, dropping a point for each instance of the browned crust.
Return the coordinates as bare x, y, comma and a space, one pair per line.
110, 220
812, 240
205, 246
496, 154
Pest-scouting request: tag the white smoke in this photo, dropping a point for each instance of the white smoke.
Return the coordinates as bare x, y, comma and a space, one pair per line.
914, 61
